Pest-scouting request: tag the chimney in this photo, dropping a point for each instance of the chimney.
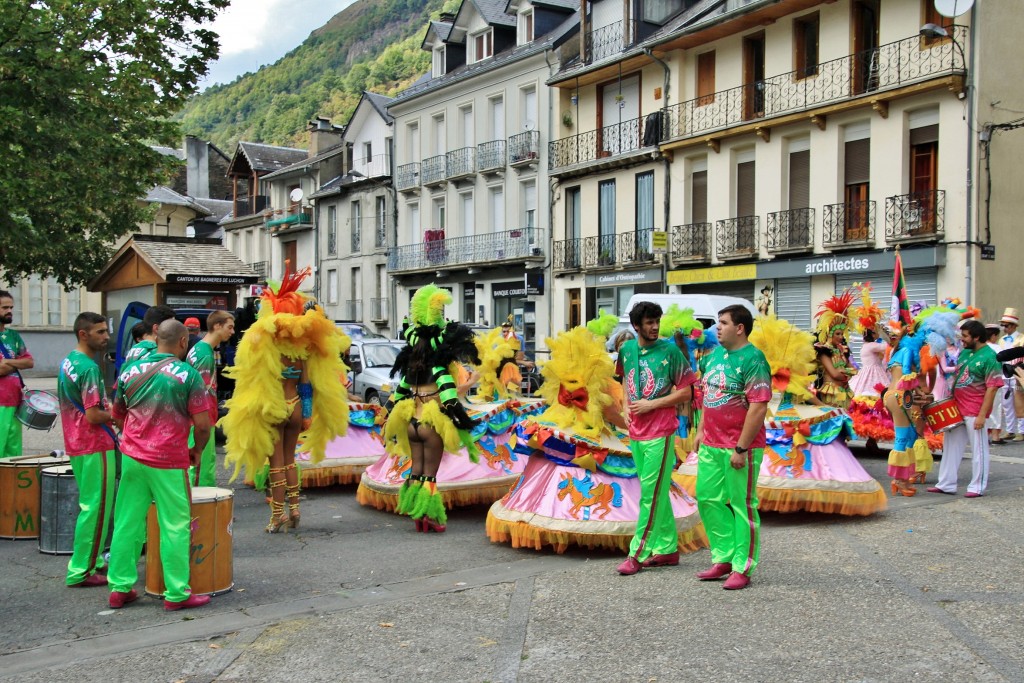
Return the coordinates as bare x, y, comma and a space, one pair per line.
323, 135
197, 167
447, 18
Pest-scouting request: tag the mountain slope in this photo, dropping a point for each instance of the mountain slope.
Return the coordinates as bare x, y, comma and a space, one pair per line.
370, 45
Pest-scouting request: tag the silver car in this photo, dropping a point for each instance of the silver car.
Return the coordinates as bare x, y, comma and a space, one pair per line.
370, 362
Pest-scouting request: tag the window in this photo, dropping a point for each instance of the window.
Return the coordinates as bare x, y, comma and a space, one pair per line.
645, 201
440, 137
745, 188
381, 222
573, 213
799, 179
856, 186
290, 252
356, 291
74, 305
528, 195
606, 222
53, 307
438, 213
497, 118
367, 152
496, 201
528, 113
705, 78
526, 27
438, 68
466, 213
931, 16
415, 229
356, 223
468, 131
332, 286
657, 11
699, 195
924, 175
35, 301
805, 45
413, 137
483, 45
332, 230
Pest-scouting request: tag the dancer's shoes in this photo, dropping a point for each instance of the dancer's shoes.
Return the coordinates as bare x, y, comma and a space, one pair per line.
667, 560
717, 571
119, 599
192, 601
629, 567
91, 580
736, 581
431, 525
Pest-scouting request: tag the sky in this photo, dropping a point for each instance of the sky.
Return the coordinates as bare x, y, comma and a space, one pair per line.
258, 32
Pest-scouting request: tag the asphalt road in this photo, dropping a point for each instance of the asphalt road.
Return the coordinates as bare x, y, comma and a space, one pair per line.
930, 589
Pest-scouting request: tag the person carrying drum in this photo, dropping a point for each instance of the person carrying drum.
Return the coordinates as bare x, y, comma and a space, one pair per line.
151, 319
89, 441
15, 359
220, 326
156, 400
977, 380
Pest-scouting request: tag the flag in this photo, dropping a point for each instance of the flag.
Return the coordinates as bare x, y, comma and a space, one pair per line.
900, 311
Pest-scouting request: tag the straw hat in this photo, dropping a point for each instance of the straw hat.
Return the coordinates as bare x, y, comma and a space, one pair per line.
1011, 316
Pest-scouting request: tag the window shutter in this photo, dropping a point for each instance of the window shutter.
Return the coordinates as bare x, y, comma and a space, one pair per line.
800, 180
699, 197
745, 189
858, 161
925, 134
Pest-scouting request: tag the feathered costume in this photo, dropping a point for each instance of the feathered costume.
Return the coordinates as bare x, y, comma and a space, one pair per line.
680, 324
807, 465
834, 315
500, 377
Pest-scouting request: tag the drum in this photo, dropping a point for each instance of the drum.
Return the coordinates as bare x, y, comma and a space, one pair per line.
19, 494
942, 415
58, 510
211, 569
38, 409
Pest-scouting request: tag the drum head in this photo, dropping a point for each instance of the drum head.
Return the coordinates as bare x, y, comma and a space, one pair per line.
203, 494
43, 401
58, 471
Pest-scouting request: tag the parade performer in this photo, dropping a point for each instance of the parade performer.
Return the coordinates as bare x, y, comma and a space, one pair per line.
15, 359
427, 418
977, 382
690, 336
157, 397
581, 485
151, 319
89, 442
657, 379
866, 317
288, 382
220, 327
736, 383
835, 369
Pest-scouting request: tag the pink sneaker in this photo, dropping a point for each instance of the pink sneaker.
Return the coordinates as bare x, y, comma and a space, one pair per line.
719, 570
119, 599
193, 601
736, 581
629, 567
669, 560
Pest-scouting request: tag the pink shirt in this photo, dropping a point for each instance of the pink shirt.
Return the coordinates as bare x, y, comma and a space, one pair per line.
732, 380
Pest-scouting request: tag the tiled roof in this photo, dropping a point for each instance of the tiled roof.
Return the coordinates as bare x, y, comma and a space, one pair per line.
218, 208
161, 194
331, 151
268, 157
561, 4
380, 103
441, 28
493, 12
184, 256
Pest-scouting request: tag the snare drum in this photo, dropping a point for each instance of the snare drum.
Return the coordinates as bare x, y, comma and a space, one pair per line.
943, 415
210, 564
58, 510
19, 494
38, 409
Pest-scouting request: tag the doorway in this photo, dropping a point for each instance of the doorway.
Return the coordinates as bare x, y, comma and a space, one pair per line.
753, 76
865, 46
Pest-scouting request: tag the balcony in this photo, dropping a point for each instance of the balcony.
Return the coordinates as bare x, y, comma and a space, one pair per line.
608, 41
566, 255
435, 170
490, 156
356, 235
380, 231
915, 217
850, 225
870, 72
377, 166
524, 148
609, 143
691, 243
510, 246
353, 310
250, 206
407, 178
461, 163
635, 248
332, 242
791, 231
378, 310
737, 237
295, 216
260, 268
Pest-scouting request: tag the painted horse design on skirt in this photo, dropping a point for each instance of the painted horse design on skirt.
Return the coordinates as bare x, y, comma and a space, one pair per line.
585, 494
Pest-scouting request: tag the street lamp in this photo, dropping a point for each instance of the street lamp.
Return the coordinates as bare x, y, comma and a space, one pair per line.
930, 30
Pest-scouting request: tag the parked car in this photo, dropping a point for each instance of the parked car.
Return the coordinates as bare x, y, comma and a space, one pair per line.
370, 362
357, 330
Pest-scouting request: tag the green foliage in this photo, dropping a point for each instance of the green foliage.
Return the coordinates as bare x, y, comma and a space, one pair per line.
371, 45
84, 91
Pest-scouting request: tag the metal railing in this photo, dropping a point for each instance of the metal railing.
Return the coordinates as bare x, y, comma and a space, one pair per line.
260, 267
636, 246
507, 246
250, 206
376, 166
791, 230
608, 40
435, 169
737, 237
915, 216
600, 251
524, 147
378, 309
354, 309
407, 177
567, 254
848, 224
295, 214
332, 242
490, 156
461, 162
356, 234
618, 138
691, 243
380, 231
886, 67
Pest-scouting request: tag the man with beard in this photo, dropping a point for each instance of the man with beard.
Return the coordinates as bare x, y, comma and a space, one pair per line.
15, 359
89, 442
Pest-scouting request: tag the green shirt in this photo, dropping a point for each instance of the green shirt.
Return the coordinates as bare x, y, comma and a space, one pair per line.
10, 385
201, 356
139, 351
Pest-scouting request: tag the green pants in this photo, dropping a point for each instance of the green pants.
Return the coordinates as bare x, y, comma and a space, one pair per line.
141, 485
727, 502
10, 433
655, 525
207, 475
94, 474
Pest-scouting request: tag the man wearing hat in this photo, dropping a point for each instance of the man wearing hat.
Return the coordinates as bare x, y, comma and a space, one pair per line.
1013, 425
192, 325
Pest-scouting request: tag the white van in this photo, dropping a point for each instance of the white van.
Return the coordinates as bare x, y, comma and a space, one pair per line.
705, 308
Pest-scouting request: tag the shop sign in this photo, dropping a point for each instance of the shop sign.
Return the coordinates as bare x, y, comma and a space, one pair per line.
697, 276
844, 264
626, 277
659, 242
213, 279
508, 290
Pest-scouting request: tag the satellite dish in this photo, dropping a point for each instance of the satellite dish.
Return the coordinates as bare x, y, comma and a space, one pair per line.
296, 195
953, 8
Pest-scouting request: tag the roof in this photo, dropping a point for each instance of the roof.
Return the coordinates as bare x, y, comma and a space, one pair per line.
558, 4
161, 194
218, 208
380, 103
442, 29
331, 151
180, 259
169, 151
492, 11
268, 158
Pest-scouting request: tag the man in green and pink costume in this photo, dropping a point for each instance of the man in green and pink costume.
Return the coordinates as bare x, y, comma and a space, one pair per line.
220, 327
158, 398
657, 378
15, 359
737, 386
89, 442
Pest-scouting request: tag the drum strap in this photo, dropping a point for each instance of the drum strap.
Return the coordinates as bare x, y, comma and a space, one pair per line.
141, 380
10, 356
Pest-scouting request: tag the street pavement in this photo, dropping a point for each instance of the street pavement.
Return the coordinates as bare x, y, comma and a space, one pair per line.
929, 590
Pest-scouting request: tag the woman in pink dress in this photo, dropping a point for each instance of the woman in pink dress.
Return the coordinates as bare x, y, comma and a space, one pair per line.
872, 367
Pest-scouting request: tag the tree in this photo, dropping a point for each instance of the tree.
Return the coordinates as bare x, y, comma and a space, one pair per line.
86, 87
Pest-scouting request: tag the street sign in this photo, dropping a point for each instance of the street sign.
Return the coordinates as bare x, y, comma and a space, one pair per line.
988, 252
659, 242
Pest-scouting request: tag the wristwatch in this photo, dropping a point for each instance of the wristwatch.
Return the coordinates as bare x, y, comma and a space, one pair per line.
741, 450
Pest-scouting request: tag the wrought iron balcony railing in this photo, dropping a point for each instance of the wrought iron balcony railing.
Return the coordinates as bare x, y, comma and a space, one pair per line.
608, 40
461, 163
508, 246
378, 309
886, 67
332, 242
356, 234
618, 138
791, 230
380, 231
851, 224
377, 166
353, 309
407, 177
524, 148
260, 267
918, 216
737, 237
636, 247
490, 156
691, 243
435, 170
599, 251
567, 254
